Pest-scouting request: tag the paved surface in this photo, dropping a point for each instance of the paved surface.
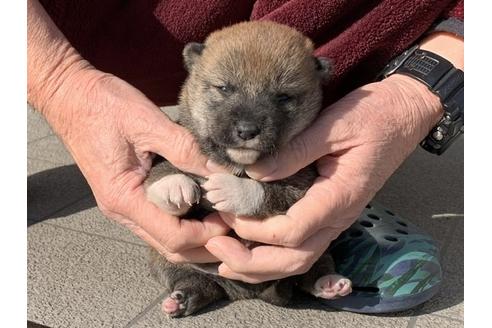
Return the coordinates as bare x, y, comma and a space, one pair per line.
86, 271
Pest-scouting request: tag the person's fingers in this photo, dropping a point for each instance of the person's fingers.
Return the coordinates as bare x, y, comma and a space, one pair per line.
267, 262
297, 154
326, 204
282, 230
250, 278
177, 145
173, 234
193, 255
154, 132
328, 134
216, 168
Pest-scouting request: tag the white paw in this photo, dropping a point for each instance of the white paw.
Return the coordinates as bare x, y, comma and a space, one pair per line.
228, 193
174, 193
332, 286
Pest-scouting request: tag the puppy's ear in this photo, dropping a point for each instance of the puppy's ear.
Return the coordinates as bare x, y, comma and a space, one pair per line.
191, 52
324, 68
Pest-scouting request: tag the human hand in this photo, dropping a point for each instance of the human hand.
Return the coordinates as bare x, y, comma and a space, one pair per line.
358, 143
111, 129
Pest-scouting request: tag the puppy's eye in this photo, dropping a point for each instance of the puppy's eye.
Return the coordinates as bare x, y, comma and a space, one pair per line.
226, 89
283, 98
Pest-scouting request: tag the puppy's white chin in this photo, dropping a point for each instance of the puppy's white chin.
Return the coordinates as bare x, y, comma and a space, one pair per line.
242, 155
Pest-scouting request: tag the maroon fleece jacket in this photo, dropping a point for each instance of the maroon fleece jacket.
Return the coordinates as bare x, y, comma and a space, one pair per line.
141, 41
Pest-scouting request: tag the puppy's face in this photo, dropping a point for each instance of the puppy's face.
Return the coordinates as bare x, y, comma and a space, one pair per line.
252, 88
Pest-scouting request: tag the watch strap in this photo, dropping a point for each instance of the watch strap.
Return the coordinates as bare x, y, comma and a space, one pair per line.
444, 80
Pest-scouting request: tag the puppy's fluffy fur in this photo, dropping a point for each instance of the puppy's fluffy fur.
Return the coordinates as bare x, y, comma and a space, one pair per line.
251, 88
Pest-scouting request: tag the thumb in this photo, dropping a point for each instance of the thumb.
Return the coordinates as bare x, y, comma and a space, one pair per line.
176, 144
297, 154
181, 149
331, 132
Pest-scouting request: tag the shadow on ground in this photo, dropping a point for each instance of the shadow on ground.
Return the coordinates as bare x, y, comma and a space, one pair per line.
57, 193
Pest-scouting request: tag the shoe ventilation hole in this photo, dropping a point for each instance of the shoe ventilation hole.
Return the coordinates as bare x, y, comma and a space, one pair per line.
367, 224
369, 206
373, 216
391, 238
403, 232
365, 289
389, 212
402, 223
355, 234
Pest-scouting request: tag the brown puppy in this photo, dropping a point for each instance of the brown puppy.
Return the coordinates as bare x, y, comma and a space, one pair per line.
251, 88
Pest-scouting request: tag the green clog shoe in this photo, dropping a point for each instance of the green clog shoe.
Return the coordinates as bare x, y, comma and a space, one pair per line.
393, 265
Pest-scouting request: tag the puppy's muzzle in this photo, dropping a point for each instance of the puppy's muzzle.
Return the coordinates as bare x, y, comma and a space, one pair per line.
246, 130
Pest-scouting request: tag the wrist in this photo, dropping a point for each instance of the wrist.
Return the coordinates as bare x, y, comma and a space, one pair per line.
416, 101
428, 77
444, 51
46, 77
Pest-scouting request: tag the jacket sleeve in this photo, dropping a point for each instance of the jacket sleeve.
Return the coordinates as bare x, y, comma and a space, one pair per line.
452, 20
358, 36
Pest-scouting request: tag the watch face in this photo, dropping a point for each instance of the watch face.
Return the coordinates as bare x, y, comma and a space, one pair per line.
421, 64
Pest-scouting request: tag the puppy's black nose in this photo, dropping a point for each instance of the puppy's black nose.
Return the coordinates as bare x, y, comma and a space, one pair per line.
247, 130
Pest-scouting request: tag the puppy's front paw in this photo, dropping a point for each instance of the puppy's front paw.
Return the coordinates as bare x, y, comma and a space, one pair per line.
235, 195
174, 193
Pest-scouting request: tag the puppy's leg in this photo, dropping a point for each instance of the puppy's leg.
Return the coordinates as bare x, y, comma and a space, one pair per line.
171, 190
322, 281
279, 293
175, 193
188, 290
229, 193
191, 293
244, 196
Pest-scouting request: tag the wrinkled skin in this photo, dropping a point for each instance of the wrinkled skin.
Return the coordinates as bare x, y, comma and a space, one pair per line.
357, 144
110, 128
116, 162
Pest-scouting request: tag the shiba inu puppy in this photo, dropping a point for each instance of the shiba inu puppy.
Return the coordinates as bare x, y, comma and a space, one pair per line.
251, 88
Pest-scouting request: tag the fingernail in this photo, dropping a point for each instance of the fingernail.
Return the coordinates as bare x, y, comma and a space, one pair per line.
214, 167
262, 169
228, 218
223, 270
213, 248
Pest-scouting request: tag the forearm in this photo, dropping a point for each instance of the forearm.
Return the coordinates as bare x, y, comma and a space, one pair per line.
51, 59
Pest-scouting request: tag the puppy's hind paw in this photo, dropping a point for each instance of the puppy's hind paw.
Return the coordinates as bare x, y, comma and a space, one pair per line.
332, 286
175, 304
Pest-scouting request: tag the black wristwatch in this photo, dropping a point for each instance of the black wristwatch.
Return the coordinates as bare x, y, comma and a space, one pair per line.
443, 79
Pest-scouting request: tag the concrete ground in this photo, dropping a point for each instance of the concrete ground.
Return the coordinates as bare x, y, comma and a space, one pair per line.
86, 271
